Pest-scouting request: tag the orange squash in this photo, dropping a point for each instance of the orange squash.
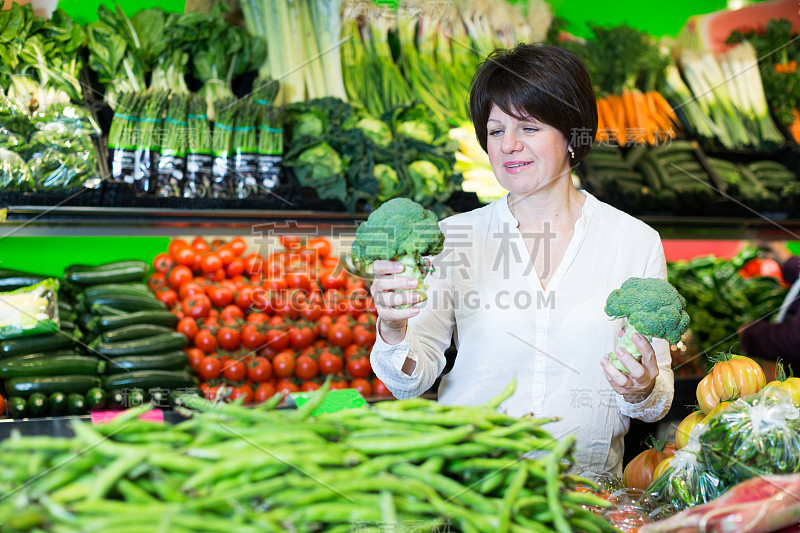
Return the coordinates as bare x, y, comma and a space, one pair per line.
732, 376
639, 473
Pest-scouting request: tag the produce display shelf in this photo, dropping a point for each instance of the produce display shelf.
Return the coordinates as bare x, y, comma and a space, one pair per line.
31, 221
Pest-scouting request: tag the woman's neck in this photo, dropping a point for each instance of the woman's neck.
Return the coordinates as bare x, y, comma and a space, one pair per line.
559, 205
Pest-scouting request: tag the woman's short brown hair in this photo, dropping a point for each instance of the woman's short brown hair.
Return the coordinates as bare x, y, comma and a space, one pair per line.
547, 83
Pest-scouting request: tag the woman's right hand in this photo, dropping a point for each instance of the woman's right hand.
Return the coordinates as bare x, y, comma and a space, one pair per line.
390, 290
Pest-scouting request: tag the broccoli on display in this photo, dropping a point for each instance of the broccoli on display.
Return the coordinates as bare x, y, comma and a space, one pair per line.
400, 230
653, 308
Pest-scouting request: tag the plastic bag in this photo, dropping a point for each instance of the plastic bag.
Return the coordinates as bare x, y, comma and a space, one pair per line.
687, 481
57, 169
30, 310
15, 175
754, 436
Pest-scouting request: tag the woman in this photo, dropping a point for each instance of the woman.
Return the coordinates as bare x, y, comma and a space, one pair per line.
522, 282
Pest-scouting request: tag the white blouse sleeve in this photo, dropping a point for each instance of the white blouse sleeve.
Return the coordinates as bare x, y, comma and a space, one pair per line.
428, 336
655, 406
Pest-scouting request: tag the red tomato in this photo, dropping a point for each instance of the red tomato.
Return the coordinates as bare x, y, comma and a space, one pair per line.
306, 368
291, 242
283, 364
220, 296
278, 339
167, 296
232, 311
156, 280
352, 351
212, 393
210, 263
321, 245
196, 357
235, 268
216, 276
210, 368
229, 339
175, 246
234, 371
225, 252
244, 298
190, 288
362, 386
260, 371
309, 386
358, 367
286, 387
268, 353
253, 263
205, 340
200, 245
197, 306
261, 302
330, 262
307, 256
311, 311
330, 364
363, 336
238, 246
252, 337
324, 323
264, 392
379, 388
276, 321
301, 337
333, 278
163, 262
210, 323
188, 326
340, 384
298, 280
771, 268
185, 256
197, 266
245, 392
340, 335
179, 275
257, 318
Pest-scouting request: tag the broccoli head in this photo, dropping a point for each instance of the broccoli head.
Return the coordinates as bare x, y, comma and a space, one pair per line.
653, 308
400, 230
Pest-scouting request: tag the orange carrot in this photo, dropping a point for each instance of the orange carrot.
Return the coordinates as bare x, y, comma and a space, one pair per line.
608, 117
643, 131
618, 111
665, 108
795, 127
602, 132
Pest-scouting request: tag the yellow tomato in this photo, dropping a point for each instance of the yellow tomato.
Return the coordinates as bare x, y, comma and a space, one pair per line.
685, 428
721, 406
790, 384
732, 376
662, 466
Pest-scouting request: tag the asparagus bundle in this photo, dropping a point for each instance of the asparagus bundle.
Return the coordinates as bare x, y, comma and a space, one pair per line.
198, 157
123, 138
245, 157
270, 149
172, 164
222, 146
149, 139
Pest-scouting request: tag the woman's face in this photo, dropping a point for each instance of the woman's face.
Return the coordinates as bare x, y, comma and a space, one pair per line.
526, 155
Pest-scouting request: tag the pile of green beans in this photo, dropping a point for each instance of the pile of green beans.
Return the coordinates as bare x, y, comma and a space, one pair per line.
400, 466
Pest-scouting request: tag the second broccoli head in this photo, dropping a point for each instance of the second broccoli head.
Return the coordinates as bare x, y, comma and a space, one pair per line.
653, 308
399, 230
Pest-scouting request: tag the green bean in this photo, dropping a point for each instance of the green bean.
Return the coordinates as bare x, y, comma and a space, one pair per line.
524, 446
586, 498
167, 487
517, 482
528, 502
313, 403
448, 487
553, 484
433, 464
495, 402
388, 509
526, 526
112, 473
37, 444
596, 519
392, 445
63, 473
445, 419
491, 482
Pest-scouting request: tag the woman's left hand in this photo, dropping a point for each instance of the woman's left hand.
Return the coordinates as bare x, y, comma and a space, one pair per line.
637, 385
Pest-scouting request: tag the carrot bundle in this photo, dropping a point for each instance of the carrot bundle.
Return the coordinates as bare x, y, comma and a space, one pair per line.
635, 117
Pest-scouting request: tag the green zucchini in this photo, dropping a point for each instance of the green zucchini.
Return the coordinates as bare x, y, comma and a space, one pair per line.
109, 322
50, 384
125, 303
58, 403
108, 289
176, 360
148, 345
117, 400
17, 407
149, 379
76, 404
13, 367
137, 331
36, 344
95, 398
112, 273
12, 284
37, 404
41, 355
105, 266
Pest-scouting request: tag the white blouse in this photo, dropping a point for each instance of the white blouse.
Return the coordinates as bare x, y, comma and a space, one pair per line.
486, 290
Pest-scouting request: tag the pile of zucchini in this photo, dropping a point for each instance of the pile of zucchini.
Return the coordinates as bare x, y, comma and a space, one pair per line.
760, 184
116, 348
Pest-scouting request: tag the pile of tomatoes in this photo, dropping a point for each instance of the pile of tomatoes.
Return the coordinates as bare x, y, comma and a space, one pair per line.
262, 324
